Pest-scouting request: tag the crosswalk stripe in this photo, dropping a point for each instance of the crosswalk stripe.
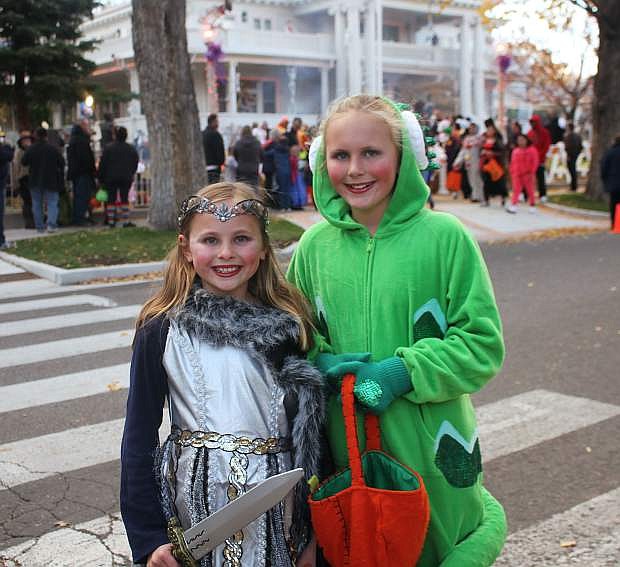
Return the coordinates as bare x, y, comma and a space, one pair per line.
62, 388
593, 527
101, 541
10, 290
518, 422
500, 435
64, 348
68, 320
53, 302
7, 269
40, 457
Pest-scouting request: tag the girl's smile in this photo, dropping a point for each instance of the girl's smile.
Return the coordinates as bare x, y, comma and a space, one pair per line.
362, 163
225, 255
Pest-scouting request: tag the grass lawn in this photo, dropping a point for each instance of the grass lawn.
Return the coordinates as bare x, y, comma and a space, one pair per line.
104, 247
579, 201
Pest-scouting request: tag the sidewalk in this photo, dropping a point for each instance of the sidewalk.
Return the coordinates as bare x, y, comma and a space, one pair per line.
487, 224
492, 223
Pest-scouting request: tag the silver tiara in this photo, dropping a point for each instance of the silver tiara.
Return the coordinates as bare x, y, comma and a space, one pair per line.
222, 212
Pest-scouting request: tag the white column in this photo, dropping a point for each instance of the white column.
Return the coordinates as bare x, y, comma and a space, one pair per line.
379, 46
232, 87
466, 106
479, 102
354, 50
324, 90
341, 77
370, 42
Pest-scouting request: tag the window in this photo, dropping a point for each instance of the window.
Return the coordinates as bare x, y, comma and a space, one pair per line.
267, 24
269, 96
257, 23
390, 33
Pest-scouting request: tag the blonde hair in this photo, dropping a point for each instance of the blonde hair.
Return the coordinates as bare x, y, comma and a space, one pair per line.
373, 105
268, 284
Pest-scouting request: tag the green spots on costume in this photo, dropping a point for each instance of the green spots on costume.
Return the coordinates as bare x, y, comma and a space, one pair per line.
458, 459
429, 322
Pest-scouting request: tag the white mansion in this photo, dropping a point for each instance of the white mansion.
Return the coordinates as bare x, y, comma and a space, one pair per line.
292, 57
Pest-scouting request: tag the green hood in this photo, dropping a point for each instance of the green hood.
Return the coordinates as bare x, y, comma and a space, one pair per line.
409, 196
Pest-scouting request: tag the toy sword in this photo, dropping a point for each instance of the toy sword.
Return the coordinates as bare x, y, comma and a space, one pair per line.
189, 546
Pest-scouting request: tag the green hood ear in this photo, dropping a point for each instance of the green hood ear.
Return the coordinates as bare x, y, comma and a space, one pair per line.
410, 191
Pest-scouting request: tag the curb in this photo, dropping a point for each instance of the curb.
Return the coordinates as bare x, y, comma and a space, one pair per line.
62, 276
576, 211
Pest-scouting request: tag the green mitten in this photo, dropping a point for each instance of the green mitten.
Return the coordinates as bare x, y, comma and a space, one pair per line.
378, 384
335, 366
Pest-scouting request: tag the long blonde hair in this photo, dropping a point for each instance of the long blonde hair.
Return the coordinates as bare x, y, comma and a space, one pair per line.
268, 284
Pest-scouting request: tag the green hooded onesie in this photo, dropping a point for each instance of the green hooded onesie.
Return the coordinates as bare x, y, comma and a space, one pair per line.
418, 289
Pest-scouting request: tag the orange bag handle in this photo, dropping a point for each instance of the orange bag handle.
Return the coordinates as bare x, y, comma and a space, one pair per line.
373, 434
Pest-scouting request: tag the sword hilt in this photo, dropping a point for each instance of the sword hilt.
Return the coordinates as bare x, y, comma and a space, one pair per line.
180, 551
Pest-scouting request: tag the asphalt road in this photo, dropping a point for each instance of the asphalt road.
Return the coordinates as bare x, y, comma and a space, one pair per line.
549, 422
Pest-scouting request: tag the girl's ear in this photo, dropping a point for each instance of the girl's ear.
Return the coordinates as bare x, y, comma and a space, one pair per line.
184, 244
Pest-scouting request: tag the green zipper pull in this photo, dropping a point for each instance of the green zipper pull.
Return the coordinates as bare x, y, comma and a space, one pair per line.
369, 245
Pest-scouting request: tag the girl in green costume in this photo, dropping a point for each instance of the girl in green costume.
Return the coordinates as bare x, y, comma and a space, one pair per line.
404, 301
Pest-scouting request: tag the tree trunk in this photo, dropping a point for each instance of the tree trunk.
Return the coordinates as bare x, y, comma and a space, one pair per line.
168, 101
606, 103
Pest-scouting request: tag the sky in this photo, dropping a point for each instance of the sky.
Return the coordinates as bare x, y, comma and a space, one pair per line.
565, 45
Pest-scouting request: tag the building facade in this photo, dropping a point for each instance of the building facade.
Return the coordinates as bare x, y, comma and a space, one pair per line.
292, 57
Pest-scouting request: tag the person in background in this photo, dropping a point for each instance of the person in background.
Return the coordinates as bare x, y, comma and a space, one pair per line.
540, 137
293, 134
298, 184
610, 174
573, 146
6, 157
523, 166
45, 166
213, 145
493, 164
19, 176
468, 161
282, 160
107, 130
259, 133
117, 168
230, 167
81, 170
248, 153
269, 170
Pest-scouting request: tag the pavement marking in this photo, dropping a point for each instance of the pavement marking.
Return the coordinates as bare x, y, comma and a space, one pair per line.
506, 426
62, 388
69, 320
6, 269
52, 302
40, 457
65, 348
594, 527
518, 422
10, 290
101, 541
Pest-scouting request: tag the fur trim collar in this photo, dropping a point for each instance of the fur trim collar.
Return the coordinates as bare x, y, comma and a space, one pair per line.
224, 320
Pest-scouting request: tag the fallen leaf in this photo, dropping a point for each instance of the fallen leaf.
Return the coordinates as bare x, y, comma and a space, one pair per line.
61, 524
588, 449
114, 386
530, 284
598, 328
568, 543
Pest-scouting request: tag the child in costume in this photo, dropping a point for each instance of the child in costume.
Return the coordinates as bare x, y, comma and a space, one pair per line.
404, 302
523, 166
223, 342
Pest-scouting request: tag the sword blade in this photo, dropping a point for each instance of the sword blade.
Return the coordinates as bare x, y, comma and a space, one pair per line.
228, 520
